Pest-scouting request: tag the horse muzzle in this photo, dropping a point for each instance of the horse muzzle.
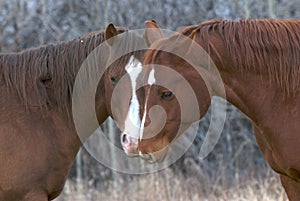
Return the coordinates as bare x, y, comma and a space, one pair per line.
155, 157
150, 158
129, 145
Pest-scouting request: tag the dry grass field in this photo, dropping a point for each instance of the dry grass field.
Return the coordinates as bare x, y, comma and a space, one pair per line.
169, 186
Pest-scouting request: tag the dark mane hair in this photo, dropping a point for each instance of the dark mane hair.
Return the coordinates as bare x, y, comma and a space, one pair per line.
266, 46
54, 64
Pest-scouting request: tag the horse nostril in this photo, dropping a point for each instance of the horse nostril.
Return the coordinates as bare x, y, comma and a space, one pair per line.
124, 139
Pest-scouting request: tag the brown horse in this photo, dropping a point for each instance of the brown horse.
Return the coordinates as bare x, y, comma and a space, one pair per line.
38, 139
259, 64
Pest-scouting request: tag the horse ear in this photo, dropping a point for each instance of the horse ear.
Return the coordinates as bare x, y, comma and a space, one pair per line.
110, 33
152, 32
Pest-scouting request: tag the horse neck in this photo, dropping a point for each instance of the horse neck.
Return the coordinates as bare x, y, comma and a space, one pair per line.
51, 70
249, 90
259, 66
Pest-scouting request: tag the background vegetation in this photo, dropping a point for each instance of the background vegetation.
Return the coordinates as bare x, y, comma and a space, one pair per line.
235, 170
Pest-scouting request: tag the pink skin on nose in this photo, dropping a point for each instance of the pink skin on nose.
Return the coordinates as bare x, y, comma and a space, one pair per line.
129, 144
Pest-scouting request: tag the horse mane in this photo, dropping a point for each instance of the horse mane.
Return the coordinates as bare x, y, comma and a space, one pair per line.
266, 46
50, 66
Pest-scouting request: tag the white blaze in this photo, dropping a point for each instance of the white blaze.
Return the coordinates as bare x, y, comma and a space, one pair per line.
151, 78
151, 81
132, 122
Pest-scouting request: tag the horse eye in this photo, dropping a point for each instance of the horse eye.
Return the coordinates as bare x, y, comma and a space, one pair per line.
166, 95
113, 80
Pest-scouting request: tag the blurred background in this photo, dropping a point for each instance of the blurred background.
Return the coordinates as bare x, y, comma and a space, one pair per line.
234, 170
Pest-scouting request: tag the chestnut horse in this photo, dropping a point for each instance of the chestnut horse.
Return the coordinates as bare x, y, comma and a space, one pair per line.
259, 64
38, 139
